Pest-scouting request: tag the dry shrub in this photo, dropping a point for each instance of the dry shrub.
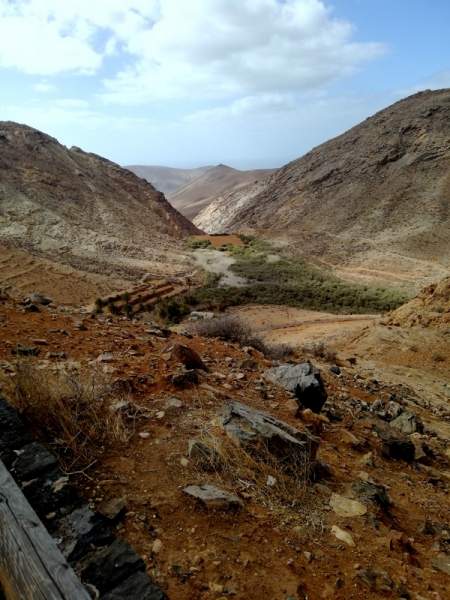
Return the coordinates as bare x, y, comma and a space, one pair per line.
80, 413
250, 473
233, 329
319, 350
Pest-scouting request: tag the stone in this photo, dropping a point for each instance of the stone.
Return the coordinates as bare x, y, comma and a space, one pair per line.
33, 308
144, 435
407, 423
82, 530
156, 546
111, 566
395, 444
304, 381
342, 535
372, 492
105, 357
258, 433
184, 378
40, 342
36, 298
138, 586
376, 580
113, 508
200, 315
271, 481
345, 507
187, 356
33, 460
173, 403
441, 562
203, 455
20, 350
213, 497
335, 370
13, 434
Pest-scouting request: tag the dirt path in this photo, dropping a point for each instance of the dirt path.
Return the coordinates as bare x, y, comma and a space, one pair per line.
219, 263
287, 325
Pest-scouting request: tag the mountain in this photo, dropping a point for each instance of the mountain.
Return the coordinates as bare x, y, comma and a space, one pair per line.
77, 209
167, 179
374, 200
211, 185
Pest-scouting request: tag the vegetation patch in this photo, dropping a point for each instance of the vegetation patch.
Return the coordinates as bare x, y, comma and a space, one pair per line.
292, 282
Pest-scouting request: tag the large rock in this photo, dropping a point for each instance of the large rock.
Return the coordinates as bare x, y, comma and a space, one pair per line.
34, 460
407, 423
13, 434
304, 381
396, 445
258, 432
82, 530
213, 497
138, 586
188, 357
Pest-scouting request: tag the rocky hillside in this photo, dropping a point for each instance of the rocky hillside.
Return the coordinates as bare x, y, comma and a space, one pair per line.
167, 179
212, 185
374, 199
79, 209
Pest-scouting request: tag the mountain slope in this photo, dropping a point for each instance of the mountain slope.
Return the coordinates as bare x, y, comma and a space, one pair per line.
375, 198
167, 179
82, 210
211, 185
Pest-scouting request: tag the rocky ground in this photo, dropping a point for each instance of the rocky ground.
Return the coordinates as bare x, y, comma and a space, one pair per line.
371, 519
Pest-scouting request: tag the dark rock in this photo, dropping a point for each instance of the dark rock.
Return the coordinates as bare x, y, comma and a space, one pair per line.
376, 580
304, 381
25, 350
13, 434
372, 492
32, 308
36, 298
335, 369
34, 459
213, 497
111, 566
52, 494
187, 356
139, 586
81, 531
395, 444
258, 433
184, 378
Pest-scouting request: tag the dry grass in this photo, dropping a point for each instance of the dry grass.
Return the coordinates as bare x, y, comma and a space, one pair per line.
80, 412
233, 329
320, 350
260, 476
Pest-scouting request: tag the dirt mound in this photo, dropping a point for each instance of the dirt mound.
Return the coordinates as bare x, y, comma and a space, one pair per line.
81, 210
375, 197
430, 308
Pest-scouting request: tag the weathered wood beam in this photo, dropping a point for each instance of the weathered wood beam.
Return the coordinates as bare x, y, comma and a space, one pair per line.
31, 565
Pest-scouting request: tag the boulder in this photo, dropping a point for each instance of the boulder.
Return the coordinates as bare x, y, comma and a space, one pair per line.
258, 432
187, 356
407, 423
372, 492
304, 381
213, 497
345, 507
34, 459
82, 530
139, 586
396, 445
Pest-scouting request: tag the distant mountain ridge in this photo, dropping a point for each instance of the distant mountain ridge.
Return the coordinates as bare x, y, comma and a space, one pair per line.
376, 197
167, 179
211, 185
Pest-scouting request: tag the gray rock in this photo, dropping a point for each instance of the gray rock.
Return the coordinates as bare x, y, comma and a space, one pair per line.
20, 350
213, 497
111, 566
258, 432
441, 562
36, 298
304, 381
33, 460
138, 586
407, 423
81, 530
373, 492
396, 445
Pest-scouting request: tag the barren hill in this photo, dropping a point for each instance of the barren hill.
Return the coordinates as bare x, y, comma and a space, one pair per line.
374, 201
81, 210
211, 185
167, 179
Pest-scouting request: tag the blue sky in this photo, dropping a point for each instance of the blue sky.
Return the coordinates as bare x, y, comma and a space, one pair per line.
251, 83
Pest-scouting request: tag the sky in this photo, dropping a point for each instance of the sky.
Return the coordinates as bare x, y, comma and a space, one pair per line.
184, 83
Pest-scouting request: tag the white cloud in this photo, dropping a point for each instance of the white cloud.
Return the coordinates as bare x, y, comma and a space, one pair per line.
264, 104
222, 48
43, 87
47, 37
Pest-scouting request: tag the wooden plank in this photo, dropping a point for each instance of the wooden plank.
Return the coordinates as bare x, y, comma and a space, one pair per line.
31, 565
